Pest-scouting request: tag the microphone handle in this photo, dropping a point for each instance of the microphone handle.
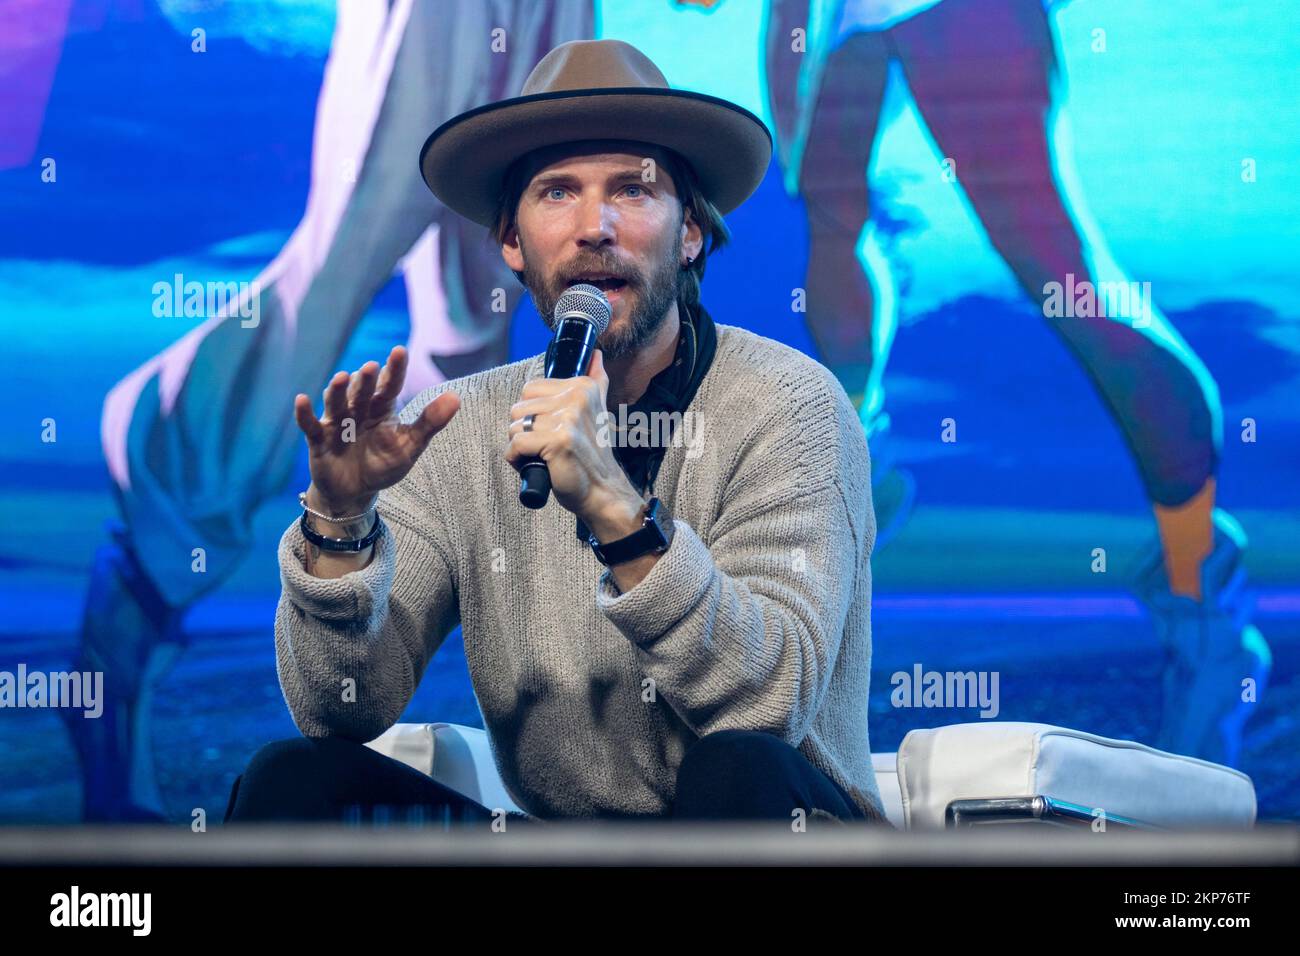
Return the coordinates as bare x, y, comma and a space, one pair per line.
534, 485
568, 356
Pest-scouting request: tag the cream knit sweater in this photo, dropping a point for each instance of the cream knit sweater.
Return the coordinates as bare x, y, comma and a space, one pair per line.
757, 616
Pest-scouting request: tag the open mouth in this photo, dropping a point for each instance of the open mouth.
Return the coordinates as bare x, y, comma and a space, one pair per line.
605, 283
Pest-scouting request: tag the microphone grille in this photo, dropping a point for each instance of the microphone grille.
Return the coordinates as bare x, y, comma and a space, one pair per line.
586, 301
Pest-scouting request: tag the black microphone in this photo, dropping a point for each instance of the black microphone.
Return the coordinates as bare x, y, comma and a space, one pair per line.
581, 315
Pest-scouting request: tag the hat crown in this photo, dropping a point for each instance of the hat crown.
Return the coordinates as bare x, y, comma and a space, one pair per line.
594, 89
593, 64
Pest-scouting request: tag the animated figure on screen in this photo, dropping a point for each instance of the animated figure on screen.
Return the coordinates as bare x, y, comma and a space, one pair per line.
196, 438
985, 77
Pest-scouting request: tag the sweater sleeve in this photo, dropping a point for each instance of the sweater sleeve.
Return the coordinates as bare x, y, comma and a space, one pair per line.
350, 651
744, 632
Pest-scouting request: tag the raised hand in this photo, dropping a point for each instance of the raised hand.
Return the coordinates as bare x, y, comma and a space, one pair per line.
358, 447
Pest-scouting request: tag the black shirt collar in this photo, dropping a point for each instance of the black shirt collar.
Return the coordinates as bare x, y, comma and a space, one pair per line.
671, 390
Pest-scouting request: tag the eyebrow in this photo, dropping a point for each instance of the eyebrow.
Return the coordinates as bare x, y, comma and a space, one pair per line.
546, 180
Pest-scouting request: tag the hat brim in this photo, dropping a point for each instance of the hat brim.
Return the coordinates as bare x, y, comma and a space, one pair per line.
463, 162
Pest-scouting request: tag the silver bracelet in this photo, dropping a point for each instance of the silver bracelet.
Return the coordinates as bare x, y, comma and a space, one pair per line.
302, 500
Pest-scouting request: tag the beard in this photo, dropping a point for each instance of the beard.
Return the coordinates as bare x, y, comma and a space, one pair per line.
649, 296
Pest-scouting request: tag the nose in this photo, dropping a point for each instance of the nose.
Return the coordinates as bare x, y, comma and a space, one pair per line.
595, 223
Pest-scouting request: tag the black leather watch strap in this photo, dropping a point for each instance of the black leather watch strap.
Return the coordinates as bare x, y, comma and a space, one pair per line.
341, 544
653, 537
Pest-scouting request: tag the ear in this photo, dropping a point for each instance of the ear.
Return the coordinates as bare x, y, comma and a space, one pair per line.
511, 251
692, 236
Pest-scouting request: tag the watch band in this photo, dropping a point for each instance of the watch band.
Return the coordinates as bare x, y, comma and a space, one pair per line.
341, 544
653, 537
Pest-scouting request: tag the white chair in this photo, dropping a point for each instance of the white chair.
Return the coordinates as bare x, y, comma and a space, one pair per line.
960, 775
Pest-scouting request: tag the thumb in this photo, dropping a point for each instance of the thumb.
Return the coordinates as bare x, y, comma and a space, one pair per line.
597, 371
434, 418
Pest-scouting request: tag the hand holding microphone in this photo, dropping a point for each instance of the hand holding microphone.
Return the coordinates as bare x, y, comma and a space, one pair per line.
581, 316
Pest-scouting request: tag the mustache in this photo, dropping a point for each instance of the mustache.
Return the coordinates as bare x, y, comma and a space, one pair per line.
619, 270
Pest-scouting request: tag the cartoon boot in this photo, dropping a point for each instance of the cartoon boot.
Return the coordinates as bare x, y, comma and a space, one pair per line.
131, 635
1211, 650
893, 489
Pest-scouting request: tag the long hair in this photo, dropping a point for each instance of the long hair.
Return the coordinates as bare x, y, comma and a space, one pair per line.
690, 196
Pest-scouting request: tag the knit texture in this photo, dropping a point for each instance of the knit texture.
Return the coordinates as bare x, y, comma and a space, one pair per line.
757, 617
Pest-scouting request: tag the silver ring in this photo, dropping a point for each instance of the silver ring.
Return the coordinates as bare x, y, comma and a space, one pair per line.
528, 422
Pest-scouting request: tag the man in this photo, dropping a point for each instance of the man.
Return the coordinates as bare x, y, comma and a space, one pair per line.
719, 666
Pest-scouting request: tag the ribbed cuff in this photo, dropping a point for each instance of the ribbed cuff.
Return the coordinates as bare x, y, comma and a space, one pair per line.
672, 589
350, 598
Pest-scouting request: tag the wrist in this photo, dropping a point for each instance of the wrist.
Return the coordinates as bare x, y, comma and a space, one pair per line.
338, 509
347, 520
635, 553
616, 518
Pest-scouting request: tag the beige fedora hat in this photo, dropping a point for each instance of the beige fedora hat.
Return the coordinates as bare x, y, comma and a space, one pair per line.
594, 89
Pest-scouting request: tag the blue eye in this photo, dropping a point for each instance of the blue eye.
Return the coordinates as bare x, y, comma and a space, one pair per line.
633, 186
555, 189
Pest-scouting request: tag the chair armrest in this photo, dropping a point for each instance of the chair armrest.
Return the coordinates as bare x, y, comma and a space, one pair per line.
1122, 778
891, 794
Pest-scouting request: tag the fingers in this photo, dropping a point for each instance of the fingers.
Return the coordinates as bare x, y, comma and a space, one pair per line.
336, 397
542, 387
434, 417
350, 396
390, 383
517, 426
537, 406
398, 360
535, 444
558, 407
542, 422
361, 389
545, 394
306, 419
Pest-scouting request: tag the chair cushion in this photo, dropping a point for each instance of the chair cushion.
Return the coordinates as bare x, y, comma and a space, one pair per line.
460, 757
454, 755
1014, 759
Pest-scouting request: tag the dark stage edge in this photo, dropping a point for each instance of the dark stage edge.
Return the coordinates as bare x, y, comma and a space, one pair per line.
679, 844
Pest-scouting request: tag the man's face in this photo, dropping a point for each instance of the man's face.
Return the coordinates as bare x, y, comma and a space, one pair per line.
590, 213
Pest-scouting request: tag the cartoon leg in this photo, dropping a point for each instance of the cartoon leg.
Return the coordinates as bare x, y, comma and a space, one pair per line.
199, 437
849, 318
983, 77
833, 181
785, 64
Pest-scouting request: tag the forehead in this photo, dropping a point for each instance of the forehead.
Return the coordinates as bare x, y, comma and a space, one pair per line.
597, 157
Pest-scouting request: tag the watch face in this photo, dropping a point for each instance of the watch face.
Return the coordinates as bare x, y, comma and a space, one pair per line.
653, 537
664, 522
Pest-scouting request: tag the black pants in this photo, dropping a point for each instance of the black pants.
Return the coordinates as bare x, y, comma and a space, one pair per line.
727, 775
